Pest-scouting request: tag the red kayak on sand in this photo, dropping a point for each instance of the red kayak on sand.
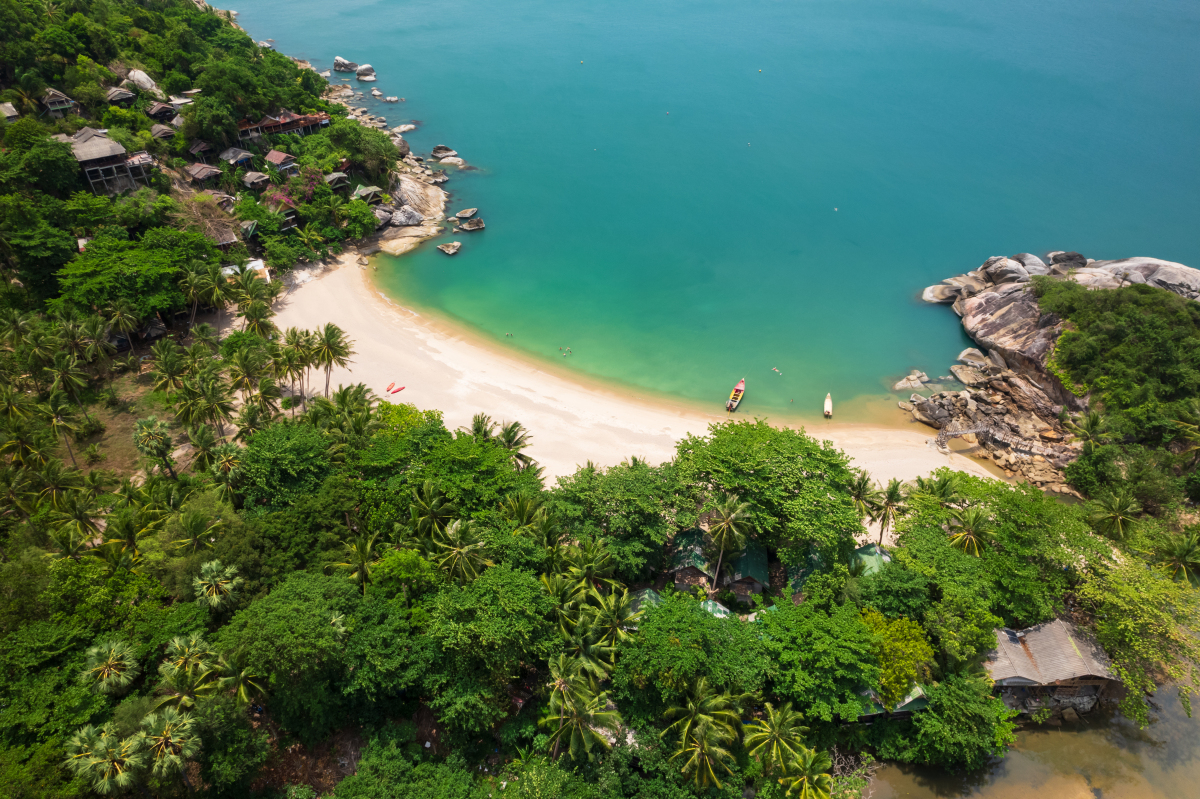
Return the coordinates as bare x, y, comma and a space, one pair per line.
397, 391
389, 388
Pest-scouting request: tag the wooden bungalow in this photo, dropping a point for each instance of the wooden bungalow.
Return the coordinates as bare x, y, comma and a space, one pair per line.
283, 122
9, 111
104, 162
337, 180
225, 201
369, 194
201, 150
249, 228
160, 111
688, 564
748, 572
236, 157
202, 173
119, 96
177, 121
283, 162
280, 206
256, 181
57, 103
1053, 663
160, 131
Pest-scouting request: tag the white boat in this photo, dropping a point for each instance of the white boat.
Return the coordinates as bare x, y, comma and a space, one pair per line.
829, 406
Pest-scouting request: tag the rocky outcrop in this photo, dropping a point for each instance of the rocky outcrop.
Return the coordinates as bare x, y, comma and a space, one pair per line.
342, 65
407, 215
382, 216
450, 248
472, 224
428, 200
441, 151
453, 161
365, 69
467, 213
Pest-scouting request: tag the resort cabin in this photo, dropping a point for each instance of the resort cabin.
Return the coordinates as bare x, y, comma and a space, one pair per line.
280, 206
191, 93
1054, 663
202, 173
9, 111
160, 111
161, 131
283, 162
255, 181
102, 161
748, 573
139, 165
201, 149
221, 233
284, 122
179, 102
337, 180
915, 700
119, 96
369, 194
223, 200
57, 103
872, 557
644, 599
236, 157
688, 564
716, 609
177, 121
249, 228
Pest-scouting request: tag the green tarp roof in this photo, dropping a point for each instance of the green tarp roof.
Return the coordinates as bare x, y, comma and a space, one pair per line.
752, 563
797, 575
689, 551
715, 608
645, 598
915, 700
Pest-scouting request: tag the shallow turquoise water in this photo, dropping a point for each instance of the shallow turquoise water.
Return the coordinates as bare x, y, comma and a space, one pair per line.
667, 210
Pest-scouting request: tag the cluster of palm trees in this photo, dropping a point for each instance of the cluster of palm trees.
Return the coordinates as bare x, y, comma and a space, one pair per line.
166, 738
971, 526
511, 435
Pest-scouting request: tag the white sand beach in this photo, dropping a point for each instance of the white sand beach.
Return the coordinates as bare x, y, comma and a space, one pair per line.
570, 421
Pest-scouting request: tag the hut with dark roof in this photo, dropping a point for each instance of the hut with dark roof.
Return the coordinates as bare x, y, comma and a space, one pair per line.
202, 173
160, 110
57, 103
282, 162
1052, 663
255, 181
748, 572
161, 131
118, 95
688, 564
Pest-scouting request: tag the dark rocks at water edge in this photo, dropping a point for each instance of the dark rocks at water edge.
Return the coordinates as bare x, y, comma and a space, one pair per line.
1009, 386
442, 151
342, 65
450, 248
472, 224
406, 216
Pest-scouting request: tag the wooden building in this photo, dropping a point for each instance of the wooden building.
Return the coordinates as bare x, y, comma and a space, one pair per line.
337, 180
9, 111
57, 103
688, 564
118, 95
283, 122
283, 162
160, 111
369, 194
235, 156
160, 131
1053, 663
202, 173
104, 162
748, 572
255, 181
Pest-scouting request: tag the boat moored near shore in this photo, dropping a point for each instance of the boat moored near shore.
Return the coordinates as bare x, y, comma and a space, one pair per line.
829, 406
736, 395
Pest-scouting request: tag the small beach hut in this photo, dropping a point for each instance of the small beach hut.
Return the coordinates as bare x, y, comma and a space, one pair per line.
9, 111
337, 180
716, 609
688, 564
369, 194
235, 156
200, 149
177, 121
57, 103
202, 173
160, 131
118, 95
748, 573
282, 162
872, 557
255, 181
1053, 661
160, 110
913, 701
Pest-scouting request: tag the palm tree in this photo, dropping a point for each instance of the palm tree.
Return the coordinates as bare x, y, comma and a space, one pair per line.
890, 507
152, 438
331, 349
242, 681
206, 335
731, 524
568, 596
1114, 514
943, 488
215, 290
585, 644
76, 516
180, 689
256, 319
704, 753
266, 397
111, 666
578, 722
65, 375
248, 422
613, 615
970, 529
482, 427
227, 459
124, 318
1180, 556
433, 509
107, 761
360, 558
462, 554
591, 565
776, 739
168, 371
310, 236
192, 284
215, 586
514, 438
187, 654
198, 532
204, 444
1091, 429
14, 403
807, 775
57, 482
704, 704
61, 417
99, 348
170, 741
864, 494
335, 206
126, 529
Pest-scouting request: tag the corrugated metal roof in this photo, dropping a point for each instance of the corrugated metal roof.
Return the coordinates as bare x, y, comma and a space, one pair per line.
116, 94
234, 155
161, 132
253, 178
8, 109
1045, 654
199, 146
278, 158
689, 551
752, 564
202, 171
53, 98
90, 145
158, 108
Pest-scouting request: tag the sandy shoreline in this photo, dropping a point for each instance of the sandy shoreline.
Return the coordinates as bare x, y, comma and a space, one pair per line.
570, 423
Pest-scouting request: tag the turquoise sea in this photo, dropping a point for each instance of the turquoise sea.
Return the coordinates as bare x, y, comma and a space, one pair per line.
686, 193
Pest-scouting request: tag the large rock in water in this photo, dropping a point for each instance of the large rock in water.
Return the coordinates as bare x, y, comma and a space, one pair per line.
342, 65
472, 224
407, 215
442, 151
364, 70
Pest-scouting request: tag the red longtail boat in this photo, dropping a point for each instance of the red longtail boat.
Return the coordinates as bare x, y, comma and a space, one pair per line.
736, 395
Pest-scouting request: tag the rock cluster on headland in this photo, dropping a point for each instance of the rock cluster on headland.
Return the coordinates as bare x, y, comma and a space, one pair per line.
1011, 396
